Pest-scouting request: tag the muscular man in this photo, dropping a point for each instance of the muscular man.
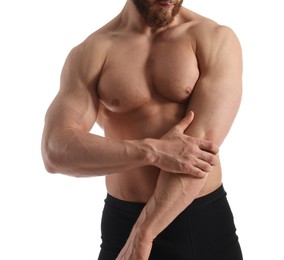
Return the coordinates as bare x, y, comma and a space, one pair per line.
165, 85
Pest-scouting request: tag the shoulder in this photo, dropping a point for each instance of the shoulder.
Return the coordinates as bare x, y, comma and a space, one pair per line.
87, 58
95, 44
99, 41
203, 28
211, 38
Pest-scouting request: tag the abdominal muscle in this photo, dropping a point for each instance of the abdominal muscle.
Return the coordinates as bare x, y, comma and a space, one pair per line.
139, 184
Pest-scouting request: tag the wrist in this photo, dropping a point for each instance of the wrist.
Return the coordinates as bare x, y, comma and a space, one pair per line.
147, 153
148, 225
143, 233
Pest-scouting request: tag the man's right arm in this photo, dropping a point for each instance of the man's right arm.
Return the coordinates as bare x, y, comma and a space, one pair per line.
68, 147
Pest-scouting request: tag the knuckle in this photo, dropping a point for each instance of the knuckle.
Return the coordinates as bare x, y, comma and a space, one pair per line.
200, 174
211, 160
187, 167
214, 160
214, 148
207, 168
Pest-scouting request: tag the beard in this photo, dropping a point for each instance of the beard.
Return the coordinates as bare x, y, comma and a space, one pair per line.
154, 16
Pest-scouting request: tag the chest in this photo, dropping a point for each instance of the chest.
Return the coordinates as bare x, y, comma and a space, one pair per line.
137, 74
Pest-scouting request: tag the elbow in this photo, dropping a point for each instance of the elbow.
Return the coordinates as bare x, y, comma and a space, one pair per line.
49, 161
51, 157
49, 167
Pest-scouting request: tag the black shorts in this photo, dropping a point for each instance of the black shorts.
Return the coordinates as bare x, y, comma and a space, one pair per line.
205, 230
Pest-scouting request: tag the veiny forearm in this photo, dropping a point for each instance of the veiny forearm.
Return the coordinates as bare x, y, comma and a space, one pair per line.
174, 192
82, 154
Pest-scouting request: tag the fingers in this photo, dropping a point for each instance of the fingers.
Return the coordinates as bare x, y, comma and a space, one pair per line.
201, 165
209, 158
204, 166
208, 146
185, 122
199, 169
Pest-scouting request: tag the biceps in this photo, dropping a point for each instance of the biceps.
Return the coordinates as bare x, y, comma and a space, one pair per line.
215, 106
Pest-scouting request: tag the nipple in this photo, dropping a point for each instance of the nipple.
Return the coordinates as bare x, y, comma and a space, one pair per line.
188, 91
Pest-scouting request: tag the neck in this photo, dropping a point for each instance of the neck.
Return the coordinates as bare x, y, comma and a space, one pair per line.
134, 21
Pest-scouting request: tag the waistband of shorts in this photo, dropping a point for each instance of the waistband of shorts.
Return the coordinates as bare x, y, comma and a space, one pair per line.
138, 206
209, 198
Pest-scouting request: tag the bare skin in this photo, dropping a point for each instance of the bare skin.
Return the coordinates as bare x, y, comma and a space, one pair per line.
139, 85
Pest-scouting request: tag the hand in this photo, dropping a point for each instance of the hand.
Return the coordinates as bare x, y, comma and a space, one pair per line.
185, 154
136, 248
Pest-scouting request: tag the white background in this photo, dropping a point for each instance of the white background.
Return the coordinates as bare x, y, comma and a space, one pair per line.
45, 216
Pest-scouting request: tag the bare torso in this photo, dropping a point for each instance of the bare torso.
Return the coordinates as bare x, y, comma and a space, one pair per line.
166, 95
144, 89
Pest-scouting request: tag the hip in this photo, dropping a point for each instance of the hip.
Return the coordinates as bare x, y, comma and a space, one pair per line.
205, 230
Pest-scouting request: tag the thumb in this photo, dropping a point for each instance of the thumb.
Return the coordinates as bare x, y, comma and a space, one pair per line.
185, 122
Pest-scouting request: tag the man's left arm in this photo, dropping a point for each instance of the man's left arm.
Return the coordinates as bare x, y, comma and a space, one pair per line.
215, 102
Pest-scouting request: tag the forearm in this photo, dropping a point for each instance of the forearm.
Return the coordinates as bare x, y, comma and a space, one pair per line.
82, 154
78, 153
174, 192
